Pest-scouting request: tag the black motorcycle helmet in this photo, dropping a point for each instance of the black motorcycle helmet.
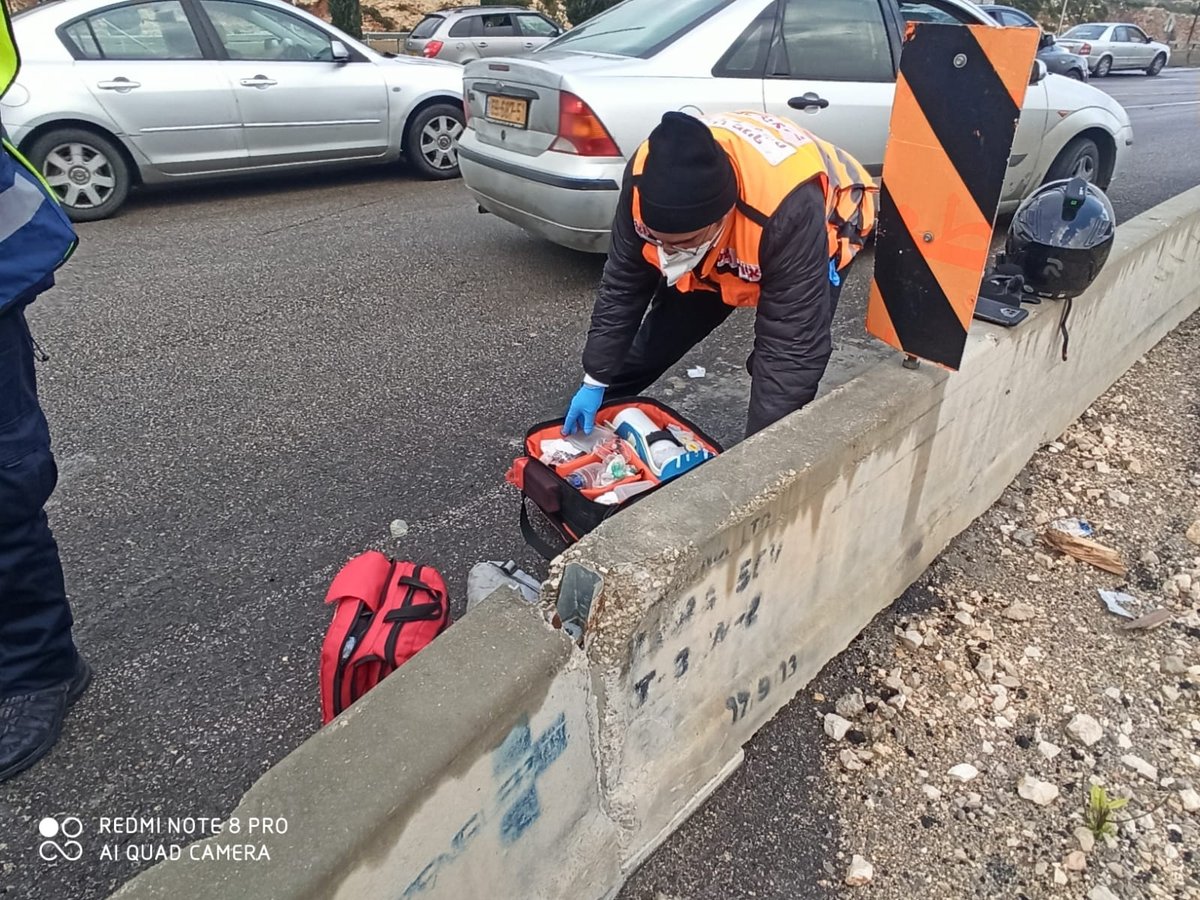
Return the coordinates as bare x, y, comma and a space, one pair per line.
1060, 237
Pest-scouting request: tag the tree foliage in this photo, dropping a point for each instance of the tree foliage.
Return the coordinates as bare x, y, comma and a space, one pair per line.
1048, 12
581, 10
346, 15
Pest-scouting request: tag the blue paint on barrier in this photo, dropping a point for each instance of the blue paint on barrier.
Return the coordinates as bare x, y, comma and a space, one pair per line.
526, 809
515, 747
516, 764
551, 744
523, 813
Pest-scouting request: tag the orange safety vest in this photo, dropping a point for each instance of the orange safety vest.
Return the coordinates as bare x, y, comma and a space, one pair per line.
771, 157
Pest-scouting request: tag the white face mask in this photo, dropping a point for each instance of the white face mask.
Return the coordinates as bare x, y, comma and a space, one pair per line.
677, 263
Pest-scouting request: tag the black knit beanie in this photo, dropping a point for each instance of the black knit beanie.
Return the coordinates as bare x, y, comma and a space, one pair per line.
688, 182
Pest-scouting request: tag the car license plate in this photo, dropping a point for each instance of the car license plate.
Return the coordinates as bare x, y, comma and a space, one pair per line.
508, 110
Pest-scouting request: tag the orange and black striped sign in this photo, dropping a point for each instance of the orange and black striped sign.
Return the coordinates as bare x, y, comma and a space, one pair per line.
958, 98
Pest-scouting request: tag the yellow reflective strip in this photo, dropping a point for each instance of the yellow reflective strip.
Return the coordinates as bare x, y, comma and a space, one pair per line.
10, 57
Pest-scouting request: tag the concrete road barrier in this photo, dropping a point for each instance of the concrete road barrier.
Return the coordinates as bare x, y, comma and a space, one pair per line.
470, 772
726, 592
503, 761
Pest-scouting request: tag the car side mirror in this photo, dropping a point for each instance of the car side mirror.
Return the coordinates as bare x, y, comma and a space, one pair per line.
340, 52
1039, 73
1046, 41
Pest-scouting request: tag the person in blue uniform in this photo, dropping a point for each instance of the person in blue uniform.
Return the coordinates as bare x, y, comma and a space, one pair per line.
41, 672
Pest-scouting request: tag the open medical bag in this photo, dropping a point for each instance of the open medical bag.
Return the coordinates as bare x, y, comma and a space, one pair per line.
579, 481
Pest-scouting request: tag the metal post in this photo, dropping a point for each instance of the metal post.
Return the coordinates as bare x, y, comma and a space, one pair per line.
1063, 17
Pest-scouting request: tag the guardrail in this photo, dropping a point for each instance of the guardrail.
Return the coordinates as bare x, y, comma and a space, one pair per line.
386, 41
1185, 57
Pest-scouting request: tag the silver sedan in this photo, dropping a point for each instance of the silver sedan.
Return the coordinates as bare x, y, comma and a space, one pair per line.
155, 91
550, 132
1113, 46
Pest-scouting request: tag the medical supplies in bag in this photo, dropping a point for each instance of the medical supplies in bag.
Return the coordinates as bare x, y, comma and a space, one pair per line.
579, 480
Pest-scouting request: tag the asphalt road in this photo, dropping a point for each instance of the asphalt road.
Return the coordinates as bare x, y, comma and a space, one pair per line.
249, 383
1166, 131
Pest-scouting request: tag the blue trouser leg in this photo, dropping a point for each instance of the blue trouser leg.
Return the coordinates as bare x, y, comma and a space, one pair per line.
36, 650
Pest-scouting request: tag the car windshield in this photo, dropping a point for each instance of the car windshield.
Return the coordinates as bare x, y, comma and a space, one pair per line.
426, 27
638, 27
1087, 32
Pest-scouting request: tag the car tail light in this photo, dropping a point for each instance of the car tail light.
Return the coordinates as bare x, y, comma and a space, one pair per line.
1085, 49
433, 48
580, 130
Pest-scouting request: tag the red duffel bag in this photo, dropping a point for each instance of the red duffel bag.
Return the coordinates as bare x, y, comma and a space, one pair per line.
385, 611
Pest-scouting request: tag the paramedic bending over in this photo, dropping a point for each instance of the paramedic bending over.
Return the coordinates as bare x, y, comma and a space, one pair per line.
732, 210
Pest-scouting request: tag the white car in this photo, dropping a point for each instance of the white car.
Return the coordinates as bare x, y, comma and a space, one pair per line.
114, 94
549, 134
1114, 47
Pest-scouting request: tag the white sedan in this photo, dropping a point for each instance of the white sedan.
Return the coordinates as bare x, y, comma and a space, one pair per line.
111, 95
549, 134
1112, 46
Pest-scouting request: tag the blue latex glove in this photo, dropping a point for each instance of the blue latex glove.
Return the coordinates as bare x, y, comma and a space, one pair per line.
584, 406
834, 278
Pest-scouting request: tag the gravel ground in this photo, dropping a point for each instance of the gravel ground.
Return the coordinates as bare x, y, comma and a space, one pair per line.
978, 711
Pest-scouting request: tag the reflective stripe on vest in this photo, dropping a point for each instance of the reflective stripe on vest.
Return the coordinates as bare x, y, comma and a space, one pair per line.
18, 205
35, 235
771, 157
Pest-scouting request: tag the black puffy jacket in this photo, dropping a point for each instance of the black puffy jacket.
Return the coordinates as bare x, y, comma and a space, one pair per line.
792, 340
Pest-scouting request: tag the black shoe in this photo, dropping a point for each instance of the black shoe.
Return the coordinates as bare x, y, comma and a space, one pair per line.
30, 724
79, 681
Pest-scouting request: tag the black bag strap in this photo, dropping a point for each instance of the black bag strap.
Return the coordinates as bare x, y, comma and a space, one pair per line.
542, 546
1062, 327
413, 582
358, 630
418, 612
663, 435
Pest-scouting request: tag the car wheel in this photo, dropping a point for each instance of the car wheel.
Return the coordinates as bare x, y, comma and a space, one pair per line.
1104, 67
1157, 65
1076, 74
86, 171
1081, 158
431, 142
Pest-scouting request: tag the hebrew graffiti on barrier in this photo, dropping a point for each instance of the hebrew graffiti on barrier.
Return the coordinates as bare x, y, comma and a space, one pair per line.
516, 767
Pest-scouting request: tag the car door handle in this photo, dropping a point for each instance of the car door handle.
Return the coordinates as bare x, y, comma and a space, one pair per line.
808, 101
118, 84
529, 45
481, 44
258, 81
